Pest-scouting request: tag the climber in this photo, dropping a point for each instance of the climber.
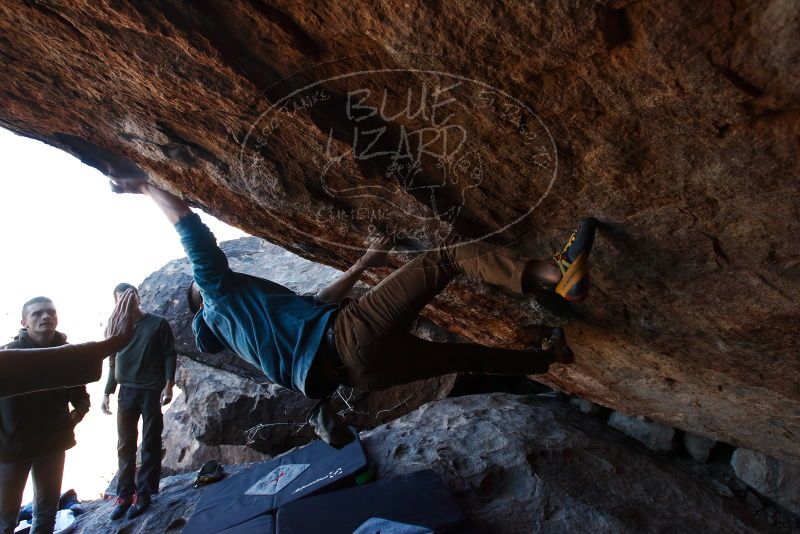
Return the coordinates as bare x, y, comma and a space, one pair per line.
314, 344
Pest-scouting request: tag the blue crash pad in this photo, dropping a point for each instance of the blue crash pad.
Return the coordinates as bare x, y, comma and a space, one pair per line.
416, 502
265, 486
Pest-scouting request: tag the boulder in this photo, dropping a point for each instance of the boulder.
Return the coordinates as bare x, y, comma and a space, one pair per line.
534, 464
653, 435
780, 481
586, 406
315, 125
698, 447
211, 418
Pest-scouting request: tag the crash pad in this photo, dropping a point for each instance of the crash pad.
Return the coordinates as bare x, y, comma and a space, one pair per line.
416, 503
263, 487
263, 524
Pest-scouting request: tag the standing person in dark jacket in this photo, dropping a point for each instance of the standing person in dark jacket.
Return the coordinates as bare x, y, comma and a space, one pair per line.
29, 370
145, 371
36, 429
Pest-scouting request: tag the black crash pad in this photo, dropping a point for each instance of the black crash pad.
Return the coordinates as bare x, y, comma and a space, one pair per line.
418, 499
263, 524
265, 486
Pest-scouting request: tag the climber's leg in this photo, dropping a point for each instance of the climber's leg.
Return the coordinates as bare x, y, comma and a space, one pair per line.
385, 314
391, 306
407, 358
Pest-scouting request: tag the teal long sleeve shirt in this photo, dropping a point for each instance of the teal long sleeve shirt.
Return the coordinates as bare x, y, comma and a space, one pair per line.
264, 323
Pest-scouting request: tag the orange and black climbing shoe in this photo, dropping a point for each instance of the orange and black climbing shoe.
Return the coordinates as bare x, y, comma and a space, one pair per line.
573, 261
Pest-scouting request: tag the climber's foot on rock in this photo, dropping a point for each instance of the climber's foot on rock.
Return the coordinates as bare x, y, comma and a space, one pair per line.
573, 262
557, 342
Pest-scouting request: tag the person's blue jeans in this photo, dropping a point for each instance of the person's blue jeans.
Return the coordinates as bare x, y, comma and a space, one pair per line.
46, 472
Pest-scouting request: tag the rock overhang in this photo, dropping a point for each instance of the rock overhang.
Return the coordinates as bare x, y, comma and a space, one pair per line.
674, 122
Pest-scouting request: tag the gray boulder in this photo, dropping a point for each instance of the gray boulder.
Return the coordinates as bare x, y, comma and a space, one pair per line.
586, 406
528, 464
778, 480
698, 447
232, 419
211, 418
653, 435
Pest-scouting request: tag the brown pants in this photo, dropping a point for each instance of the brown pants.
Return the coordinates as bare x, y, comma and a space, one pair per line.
372, 333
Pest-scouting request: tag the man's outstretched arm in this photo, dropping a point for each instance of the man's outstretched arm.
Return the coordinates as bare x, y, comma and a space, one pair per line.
28, 370
376, 256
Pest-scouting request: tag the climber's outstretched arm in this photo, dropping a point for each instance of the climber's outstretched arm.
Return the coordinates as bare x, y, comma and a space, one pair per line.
375, 256
209, 264
173, 207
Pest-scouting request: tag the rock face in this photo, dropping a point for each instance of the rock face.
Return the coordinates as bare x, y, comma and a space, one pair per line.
654, 436
775, 479
228, 411
516, 464
524, 464
211, 418
676, 121
698, 447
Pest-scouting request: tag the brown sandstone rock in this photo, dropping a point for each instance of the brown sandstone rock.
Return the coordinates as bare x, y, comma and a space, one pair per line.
675, 121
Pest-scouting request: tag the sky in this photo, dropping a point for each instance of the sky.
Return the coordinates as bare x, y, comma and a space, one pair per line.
68, 237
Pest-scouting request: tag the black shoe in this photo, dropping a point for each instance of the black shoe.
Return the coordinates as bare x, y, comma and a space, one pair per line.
573, 261
211, 472
121, 507
140, 504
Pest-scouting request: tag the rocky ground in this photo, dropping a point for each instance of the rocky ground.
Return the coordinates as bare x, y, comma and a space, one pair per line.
528, 464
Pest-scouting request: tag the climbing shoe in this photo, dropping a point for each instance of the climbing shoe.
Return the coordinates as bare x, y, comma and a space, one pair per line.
557, 342
122, 505
210, 472
573, 261
140, 504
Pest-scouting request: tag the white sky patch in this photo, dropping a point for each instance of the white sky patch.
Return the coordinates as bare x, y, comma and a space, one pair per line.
68, 237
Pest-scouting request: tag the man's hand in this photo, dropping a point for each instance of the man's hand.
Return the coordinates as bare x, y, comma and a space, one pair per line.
377, 255
128, 185
104, 406
166, 395
120, 324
